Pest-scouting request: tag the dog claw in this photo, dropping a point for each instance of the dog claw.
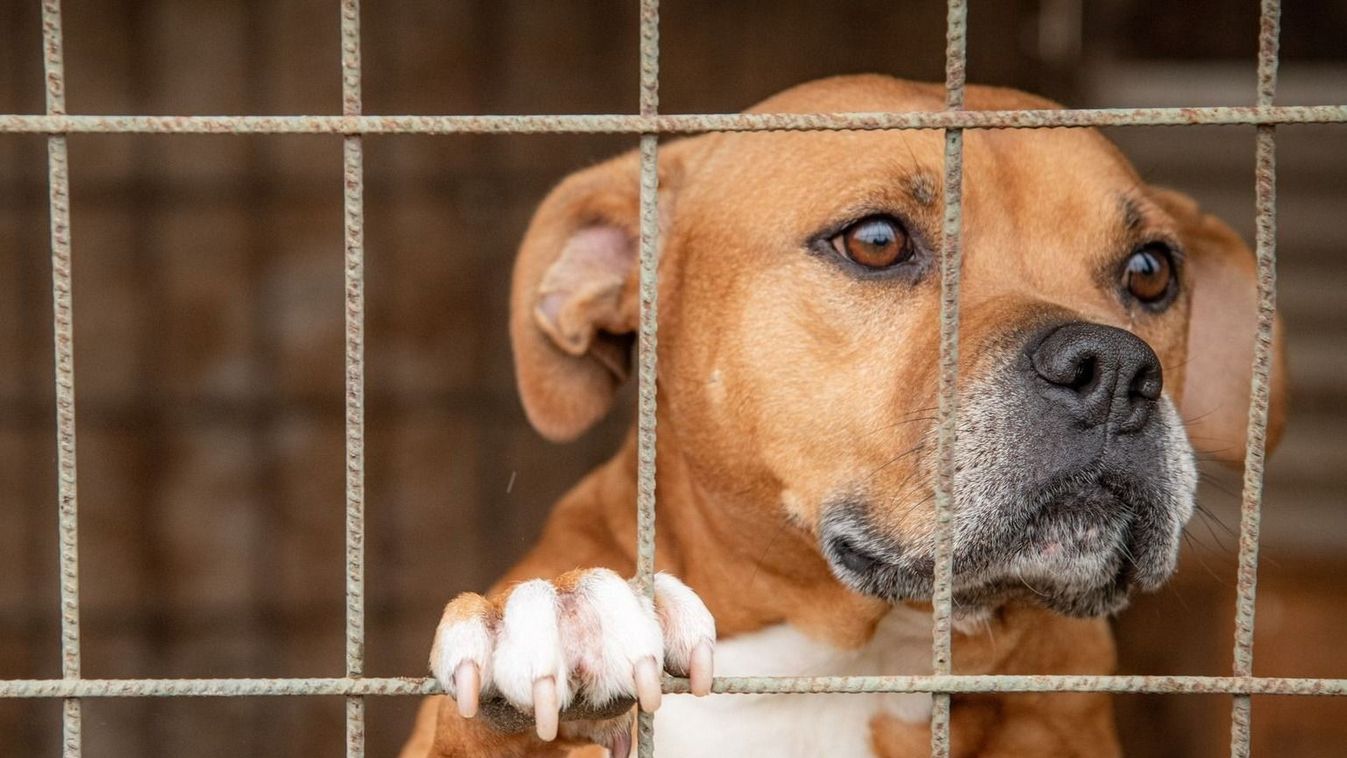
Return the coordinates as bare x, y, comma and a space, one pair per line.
701, 668
648, 684
545, 708
467, 684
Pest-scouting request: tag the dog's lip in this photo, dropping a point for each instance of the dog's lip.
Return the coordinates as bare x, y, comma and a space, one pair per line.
885, 575
1097, 600
853, 558
1083, 542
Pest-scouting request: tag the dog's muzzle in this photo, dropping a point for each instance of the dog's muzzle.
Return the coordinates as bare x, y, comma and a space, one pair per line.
1074, 480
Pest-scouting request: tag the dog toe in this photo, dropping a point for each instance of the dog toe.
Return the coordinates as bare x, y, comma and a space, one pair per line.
689, 632
528, 651
460, 659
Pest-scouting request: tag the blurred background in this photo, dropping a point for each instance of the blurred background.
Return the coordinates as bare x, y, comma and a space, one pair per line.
208, 302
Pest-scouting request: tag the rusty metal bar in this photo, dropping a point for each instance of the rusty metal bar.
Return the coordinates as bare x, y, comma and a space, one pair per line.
58, 178
404, 686
1154, 685
942, 594
648, 340
672, 124
354, 222
1255, 448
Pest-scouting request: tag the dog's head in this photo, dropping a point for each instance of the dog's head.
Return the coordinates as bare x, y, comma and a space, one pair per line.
1105, 324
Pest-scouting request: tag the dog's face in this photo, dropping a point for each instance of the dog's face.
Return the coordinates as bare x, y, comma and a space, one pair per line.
799, 341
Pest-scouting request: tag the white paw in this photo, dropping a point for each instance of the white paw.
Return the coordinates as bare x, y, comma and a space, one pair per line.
589, 636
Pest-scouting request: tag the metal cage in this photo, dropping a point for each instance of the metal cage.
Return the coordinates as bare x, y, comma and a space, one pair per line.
649, 124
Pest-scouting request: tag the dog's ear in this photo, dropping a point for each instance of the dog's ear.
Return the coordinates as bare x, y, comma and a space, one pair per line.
1221, 332
574, 300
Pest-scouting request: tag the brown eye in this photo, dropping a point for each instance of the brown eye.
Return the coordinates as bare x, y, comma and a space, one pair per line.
877, 242
1149, 273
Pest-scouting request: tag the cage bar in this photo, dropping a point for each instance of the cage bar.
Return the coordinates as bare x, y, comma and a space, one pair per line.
67, 493
686, 123
1255, 444
648, 340
942, 580
727, 685
354, 222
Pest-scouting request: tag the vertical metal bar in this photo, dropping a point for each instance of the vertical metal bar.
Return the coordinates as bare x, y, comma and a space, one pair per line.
648, 339
1265, 182
355, 375
58, 178
942, 600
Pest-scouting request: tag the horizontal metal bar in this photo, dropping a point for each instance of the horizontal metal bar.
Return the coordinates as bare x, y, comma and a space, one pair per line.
671, 124
61, 688
1153, 685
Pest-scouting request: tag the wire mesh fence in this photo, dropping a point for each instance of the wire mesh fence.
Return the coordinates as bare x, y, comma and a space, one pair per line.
650, 125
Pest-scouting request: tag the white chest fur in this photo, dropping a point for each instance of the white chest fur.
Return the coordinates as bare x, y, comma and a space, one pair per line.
798, 725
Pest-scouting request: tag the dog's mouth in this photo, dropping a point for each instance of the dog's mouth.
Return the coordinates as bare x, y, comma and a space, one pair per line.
1080, 553
1049, 506
1078, 548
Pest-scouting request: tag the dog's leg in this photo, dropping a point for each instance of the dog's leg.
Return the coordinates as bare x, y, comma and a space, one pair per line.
564, 660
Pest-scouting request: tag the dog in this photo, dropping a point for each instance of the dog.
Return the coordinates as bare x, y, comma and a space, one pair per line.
1107, 328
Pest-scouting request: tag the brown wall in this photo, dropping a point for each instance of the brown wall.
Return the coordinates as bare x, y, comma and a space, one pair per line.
209, 345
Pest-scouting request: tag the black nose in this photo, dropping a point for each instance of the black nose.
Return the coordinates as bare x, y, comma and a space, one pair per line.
1098, 374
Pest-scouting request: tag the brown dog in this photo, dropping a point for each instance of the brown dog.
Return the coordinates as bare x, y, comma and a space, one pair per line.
798, 339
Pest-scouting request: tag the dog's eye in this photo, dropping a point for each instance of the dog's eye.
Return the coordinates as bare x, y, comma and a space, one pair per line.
1149, 273
876, 242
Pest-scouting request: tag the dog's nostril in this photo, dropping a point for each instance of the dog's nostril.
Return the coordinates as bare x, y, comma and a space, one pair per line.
851, 557
1147, 383
1085, 372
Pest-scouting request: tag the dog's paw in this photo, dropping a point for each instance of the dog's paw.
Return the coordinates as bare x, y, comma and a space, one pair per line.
583, 646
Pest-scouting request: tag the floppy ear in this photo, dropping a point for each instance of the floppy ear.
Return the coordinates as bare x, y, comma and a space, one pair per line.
573, 302
1223, 317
